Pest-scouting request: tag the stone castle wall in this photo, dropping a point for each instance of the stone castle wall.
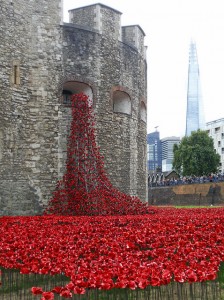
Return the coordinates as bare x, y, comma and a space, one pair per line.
41, 57
30, 47
211, 193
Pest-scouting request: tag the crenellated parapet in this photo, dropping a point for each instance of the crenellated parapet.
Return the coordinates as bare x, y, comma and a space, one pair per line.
134, 36
107, 21
98, 17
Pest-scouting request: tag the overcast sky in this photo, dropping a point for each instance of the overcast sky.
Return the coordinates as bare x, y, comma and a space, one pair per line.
169, 26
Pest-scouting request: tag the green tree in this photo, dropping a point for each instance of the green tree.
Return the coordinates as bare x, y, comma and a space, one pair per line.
196, 155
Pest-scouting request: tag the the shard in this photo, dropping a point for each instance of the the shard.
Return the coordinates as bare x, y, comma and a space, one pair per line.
195, 111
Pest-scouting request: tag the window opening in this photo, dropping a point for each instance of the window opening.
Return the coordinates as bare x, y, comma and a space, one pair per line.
121, 102
66, 96
16, 74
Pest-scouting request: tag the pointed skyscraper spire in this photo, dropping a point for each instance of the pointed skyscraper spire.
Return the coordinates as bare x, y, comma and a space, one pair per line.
195, 111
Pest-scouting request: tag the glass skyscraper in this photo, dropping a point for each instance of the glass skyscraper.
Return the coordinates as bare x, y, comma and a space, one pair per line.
154, 151
167, 152
195, 111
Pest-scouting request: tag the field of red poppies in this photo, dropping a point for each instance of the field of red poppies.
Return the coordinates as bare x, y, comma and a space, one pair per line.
107, 252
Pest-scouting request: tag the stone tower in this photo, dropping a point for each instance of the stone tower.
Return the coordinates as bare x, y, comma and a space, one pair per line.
44, 61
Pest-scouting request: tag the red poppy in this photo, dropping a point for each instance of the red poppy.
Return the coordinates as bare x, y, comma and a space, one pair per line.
78, 290
66, 294
47, 296
36, 290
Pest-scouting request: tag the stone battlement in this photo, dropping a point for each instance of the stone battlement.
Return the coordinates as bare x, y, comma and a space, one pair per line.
107, 21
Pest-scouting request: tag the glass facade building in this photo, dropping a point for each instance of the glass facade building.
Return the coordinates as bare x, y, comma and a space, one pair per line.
154, 151
167, 152
195, 111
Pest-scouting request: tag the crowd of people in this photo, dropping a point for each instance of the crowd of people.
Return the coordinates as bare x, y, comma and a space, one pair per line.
186, 180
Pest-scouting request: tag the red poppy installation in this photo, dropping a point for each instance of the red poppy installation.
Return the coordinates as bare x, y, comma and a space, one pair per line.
85, 188
114, 252
102, 239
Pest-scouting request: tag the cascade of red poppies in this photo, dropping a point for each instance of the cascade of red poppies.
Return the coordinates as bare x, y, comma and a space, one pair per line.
85, 188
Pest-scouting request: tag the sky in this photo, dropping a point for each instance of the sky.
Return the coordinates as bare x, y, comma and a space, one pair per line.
169, 26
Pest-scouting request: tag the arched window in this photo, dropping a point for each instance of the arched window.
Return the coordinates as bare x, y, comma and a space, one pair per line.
143, 114
74, 87
121, 102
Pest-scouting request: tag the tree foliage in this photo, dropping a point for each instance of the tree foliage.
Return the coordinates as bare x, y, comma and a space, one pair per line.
196, 155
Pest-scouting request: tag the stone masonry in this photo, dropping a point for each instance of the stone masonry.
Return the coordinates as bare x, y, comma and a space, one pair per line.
43, 61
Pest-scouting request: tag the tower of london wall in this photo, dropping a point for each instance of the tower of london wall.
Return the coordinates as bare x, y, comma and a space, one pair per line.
43, 61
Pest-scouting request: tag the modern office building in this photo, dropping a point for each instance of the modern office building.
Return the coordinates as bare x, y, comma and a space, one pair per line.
154, 152
216, 131
195, 111
167, 152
